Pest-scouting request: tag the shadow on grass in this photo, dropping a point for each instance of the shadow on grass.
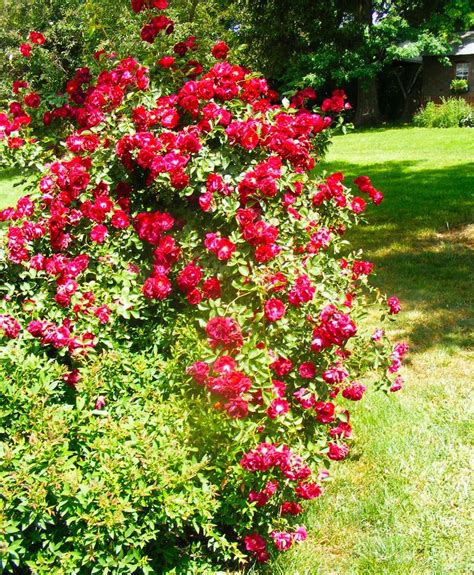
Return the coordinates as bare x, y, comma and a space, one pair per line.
421, 241
9, 174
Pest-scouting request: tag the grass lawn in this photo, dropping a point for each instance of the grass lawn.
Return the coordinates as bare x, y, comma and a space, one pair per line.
401, 505
9, 192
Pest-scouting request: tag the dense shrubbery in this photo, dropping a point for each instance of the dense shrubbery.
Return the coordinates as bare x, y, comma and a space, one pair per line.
451, 113
182, 315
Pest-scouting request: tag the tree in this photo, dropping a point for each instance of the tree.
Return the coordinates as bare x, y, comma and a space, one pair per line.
336, 42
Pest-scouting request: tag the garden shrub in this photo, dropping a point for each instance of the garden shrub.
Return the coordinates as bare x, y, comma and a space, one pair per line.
451, 113
181, 312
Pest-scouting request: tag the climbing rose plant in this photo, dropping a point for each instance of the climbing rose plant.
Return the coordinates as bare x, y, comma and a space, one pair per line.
169, 199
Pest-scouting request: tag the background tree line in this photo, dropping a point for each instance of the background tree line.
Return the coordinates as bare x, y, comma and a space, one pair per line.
318, 43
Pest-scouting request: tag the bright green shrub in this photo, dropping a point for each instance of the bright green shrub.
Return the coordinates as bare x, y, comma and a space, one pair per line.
183, 316
451, 113
120, 488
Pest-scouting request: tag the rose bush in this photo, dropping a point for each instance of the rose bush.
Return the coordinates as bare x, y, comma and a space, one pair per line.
182, 314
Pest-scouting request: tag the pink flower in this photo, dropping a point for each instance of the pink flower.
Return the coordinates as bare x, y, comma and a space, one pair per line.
301, 534
277, 407
307, 370
338, 452
397, 384
283, 541
100, 402
394, 305
354, 392
98, 234
274, 309
378, 334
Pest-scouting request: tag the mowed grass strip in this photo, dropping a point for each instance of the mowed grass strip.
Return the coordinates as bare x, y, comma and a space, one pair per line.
402, 504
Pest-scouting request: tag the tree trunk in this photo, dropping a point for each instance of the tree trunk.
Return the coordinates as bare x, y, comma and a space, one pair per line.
367, 112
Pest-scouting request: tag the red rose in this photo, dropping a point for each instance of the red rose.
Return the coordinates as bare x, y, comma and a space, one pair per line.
277, 407
25, 50
308, 490
98, 234
338, 452
37, 38
274, 309
189, 278
15, 143
120, 220
354, 392
324, 411
157, 287
32, 100
220, 50
254, 542
224, 331
166, 61
194, 296
199, 371
211, 288
307, 370
358, 205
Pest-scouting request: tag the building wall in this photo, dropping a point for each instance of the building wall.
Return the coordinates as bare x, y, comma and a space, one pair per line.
437, 78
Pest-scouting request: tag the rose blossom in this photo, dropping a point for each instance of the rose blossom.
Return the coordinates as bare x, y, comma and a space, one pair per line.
274, 309
394, 305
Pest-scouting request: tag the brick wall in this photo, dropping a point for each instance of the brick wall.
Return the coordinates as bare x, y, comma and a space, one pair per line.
437, 78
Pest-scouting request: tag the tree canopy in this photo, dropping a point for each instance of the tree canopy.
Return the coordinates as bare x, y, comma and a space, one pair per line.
338, 41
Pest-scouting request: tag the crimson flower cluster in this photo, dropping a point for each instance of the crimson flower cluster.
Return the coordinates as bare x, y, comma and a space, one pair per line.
191, 196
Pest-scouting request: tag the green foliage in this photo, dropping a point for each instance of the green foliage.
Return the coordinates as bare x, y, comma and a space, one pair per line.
452, 112
459, 85
318, 42
119, 489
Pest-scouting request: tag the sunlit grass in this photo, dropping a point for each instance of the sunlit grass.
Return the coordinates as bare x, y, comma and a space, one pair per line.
402, 504
9, 190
